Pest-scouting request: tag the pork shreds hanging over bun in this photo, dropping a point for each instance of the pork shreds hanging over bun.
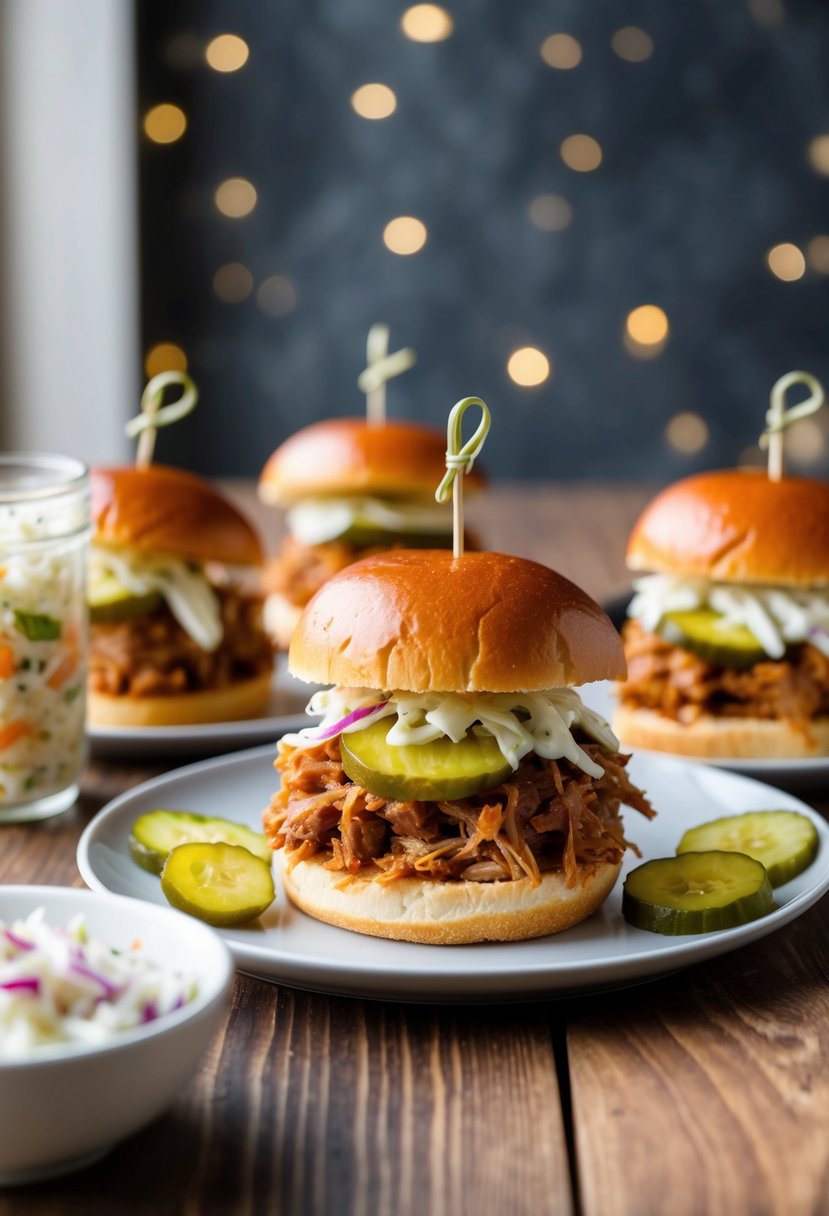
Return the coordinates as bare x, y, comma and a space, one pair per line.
728, 643
456, 790
176, 633
350, 489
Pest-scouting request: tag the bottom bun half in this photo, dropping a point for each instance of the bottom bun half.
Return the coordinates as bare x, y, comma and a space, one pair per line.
722, 738
438, 913
244, 699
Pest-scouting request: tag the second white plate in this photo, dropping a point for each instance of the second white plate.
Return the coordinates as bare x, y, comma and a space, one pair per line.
289, 947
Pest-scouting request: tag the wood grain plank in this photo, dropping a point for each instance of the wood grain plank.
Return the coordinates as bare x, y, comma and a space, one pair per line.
709, 1092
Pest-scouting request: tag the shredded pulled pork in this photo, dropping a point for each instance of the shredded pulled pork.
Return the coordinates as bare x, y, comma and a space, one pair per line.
680, 685
548, 816
153, 656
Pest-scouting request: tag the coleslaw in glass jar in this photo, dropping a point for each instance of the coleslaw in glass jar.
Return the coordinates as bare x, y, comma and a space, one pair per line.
44, 536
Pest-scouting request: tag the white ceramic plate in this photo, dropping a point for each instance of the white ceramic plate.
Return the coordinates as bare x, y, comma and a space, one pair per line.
284, 712
806, 774
291, 948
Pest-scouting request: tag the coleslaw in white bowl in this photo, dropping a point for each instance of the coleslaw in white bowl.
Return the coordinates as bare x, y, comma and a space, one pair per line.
130, 1062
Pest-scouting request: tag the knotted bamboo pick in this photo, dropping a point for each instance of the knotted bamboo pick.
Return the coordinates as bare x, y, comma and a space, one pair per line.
381, 367
778, 417
459, 460
154, 415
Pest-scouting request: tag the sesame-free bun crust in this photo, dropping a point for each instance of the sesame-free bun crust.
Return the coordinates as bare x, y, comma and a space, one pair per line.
164, 510
722, 738
345, 456
244, 699
423, 620
737, 526
439, 913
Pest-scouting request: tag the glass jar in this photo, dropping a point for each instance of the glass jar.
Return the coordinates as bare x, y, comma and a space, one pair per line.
44, 536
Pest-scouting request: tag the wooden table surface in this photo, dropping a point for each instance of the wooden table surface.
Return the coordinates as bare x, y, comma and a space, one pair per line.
705, 1092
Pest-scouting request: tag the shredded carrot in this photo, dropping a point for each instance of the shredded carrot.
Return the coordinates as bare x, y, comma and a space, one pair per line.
6, 662
14, 731
65, 669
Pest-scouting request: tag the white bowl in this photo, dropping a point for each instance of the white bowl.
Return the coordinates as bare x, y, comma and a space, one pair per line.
68, 1105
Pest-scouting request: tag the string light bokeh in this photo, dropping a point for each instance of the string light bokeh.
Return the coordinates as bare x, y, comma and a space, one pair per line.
614, 232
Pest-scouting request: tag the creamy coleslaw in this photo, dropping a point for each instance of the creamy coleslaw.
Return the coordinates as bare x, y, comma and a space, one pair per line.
184, 586
776, 616
42, 650
58, 986
520, 722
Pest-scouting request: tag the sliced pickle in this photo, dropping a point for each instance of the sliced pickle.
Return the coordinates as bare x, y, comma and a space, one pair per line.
362, 534
222, 884
700, 632
786, 842
422, 772
110, 600
155, 833
696, 893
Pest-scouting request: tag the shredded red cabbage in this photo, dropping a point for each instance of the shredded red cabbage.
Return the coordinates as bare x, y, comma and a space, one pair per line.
111, 990
29, 984
19, 942
354, 716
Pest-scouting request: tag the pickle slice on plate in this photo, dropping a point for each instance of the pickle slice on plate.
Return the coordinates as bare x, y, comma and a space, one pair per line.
696, 893
222, 884
701, 631
110, 600
786, 842
422, 772
155, 833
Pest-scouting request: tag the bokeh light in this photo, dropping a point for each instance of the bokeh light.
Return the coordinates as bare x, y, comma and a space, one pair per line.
561, 51
550, 212
227, 53
818, 154
687, 433
632, 44
164, 357
581, 153
528, 366
769, 13
165, 123
374, 101
236, 197
817, 254
276, 296
405, 234
805, 441
648, 325
427, 23
233, 282
786, 262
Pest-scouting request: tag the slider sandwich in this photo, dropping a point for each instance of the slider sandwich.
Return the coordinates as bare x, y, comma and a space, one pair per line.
176, 626
456, 789
350, 488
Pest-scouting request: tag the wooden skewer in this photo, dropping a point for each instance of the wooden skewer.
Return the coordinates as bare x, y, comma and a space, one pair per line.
154, 415
380, 368
460, 457
778, 417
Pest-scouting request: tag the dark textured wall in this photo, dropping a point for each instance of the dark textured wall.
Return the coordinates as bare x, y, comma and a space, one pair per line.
705, 168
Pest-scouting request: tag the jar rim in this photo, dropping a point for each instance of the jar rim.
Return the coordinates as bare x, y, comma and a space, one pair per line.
33, 476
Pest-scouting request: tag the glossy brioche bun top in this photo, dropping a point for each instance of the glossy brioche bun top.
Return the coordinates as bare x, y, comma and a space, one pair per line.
423, 620
343, 456
164, 510
737, 526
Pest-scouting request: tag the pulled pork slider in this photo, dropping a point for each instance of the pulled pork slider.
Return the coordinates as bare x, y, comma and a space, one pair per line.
728, 643
176, 633
457, 789
350, 489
